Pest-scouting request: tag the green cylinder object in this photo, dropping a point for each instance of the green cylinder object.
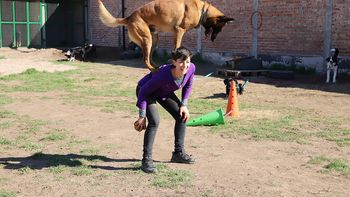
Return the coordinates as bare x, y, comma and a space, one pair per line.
213, 118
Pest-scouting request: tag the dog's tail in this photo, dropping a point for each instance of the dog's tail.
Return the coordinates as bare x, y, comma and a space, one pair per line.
107, 18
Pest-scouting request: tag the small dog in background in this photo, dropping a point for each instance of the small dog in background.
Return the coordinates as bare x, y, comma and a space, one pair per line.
332, 65
81, 53
240, 87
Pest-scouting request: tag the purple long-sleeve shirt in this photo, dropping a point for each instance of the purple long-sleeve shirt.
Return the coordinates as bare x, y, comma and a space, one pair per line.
161, 84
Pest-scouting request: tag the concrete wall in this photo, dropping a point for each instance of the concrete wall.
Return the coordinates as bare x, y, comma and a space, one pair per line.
284, 29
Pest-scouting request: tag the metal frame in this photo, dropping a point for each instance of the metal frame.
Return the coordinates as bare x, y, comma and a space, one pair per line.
27, 22
43, 17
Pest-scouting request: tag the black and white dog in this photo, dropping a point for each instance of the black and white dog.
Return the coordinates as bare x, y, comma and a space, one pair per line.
239, 87
332, 65
81, 53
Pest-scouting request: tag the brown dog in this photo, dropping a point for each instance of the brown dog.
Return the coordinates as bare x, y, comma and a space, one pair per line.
176, 16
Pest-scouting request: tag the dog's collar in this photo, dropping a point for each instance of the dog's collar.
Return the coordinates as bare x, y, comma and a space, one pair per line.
204, 15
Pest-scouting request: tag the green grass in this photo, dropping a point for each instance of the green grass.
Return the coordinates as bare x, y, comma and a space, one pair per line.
75, 142
33, 126
5, 193
31, 146
171, 178
35, 81
24, 170
4, 100
340, 166
82, 170
337, 165
4, 141
318, 160
6, 114
340, 136
55, 137
89, 151
5, 125
277, 129
57, 169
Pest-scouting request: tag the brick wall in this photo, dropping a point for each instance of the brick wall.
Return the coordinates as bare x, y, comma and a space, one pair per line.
288, 27
99, 33
341, 26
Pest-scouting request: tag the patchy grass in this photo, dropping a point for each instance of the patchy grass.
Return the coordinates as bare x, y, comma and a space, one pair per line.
5, 125
75, 142
82, 170
6, 114
328, 164
277, 128
57, 169
35, 81
4, 141
340, 136
5, 193
89, 151
33, 126
171, 178
24, 170
166, 177
4, 100
86, 87
55, 136
31, 146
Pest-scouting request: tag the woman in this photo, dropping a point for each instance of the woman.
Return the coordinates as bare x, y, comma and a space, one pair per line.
159, 88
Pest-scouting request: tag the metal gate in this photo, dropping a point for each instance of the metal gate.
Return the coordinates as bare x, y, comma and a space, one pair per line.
20, 23
43, 23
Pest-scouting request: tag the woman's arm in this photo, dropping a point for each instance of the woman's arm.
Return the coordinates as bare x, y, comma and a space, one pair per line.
186, 90
146, 90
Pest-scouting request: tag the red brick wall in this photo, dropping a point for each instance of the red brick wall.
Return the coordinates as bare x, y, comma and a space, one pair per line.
293, 27
99, 33
341, 26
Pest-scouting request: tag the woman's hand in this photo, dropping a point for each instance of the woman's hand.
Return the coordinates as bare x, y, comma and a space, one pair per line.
140, 124
184, 113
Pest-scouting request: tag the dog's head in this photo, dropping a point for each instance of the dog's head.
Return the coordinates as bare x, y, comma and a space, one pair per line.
214, 25
227, 81
334, 52
69, 53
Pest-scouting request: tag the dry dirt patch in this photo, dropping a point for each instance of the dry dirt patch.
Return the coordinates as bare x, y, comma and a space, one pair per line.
17, 61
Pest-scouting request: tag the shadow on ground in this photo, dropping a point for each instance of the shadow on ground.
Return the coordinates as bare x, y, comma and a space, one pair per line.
41, 160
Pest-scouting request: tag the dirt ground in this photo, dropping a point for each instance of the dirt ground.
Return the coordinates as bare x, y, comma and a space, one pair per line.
224, 166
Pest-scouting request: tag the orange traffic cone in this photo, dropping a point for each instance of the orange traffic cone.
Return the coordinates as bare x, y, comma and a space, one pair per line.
232, 104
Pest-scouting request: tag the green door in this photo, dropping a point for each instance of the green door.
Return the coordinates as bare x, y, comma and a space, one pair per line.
20, 23
43, 23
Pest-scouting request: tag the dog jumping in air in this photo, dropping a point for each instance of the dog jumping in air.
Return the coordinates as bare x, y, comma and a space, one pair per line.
174, 16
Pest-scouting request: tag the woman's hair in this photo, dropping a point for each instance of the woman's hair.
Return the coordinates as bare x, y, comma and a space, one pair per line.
181, 53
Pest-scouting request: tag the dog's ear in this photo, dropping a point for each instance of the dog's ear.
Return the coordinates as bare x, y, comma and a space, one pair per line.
225, 19
225, 81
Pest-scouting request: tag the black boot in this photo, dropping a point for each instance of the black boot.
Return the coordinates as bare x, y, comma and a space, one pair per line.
147, 165
182, 157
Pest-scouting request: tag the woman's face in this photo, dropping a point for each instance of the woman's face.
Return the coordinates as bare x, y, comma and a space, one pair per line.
181, 66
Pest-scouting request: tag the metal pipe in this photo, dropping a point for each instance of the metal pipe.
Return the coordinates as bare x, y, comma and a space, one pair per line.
123, 28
